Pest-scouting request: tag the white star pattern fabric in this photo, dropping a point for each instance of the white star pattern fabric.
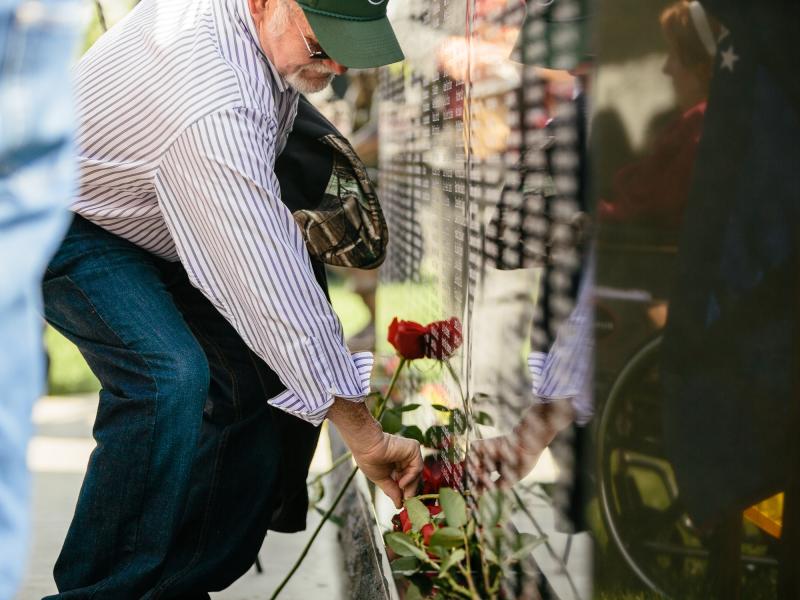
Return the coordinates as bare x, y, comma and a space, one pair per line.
729, 59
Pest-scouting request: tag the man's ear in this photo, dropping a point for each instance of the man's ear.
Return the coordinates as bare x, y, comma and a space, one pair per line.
258, 9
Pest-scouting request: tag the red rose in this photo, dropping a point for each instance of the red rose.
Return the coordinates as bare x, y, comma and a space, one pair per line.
437, 473
454, 475
432, 475
405, 522
434, 510
396, 524
442, 338
427, 531
408, 338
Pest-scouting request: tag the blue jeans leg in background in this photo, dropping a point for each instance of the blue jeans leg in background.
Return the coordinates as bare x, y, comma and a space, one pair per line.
37, 41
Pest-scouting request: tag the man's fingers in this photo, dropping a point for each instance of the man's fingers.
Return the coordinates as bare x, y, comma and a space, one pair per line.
391, 489
410, 473
407, 476
408, 482
394, 467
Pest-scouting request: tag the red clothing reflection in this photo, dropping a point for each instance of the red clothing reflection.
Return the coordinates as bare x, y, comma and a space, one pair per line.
655, 189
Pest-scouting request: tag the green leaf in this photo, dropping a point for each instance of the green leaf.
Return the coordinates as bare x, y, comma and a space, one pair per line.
403, 545
490, 555
440, 407
413, 593
483, 418
447, 537
452, 559
434, 436
392, 421
439, 551
316, 492
417, 513
405, 565
409, 407
413, 432
524, 545
491, 508
458, 421
454, 507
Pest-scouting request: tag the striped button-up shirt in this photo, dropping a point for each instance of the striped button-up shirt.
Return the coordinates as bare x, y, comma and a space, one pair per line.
565, 370
181, 117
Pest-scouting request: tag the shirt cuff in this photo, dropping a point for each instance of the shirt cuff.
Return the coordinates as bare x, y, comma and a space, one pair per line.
551, 383
289, 401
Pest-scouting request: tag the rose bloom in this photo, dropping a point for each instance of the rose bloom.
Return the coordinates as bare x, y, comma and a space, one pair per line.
427, 532
439, 339
443, 338
401, 522
436, 474
408, 338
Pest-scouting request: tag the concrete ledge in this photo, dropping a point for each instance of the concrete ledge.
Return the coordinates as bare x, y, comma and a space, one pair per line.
367, 575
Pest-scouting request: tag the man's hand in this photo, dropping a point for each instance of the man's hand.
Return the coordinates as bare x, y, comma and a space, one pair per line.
503, 455
515, 455
393, 463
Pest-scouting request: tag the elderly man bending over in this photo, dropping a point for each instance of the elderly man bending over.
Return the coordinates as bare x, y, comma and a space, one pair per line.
187, 285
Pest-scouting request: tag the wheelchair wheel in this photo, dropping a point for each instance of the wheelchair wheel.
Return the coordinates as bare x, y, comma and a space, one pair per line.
638, 494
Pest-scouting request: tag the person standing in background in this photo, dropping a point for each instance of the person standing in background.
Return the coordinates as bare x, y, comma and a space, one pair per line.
38, 39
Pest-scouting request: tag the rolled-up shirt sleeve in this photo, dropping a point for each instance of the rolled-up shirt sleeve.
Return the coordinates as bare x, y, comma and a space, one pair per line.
240, 246
565, 370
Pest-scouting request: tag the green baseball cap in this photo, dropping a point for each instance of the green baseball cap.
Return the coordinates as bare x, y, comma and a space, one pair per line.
354, 33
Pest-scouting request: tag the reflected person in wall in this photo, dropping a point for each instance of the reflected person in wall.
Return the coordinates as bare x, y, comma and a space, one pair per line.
654, 190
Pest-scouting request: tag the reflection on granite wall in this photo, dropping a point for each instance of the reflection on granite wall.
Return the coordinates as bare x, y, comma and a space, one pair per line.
483, 184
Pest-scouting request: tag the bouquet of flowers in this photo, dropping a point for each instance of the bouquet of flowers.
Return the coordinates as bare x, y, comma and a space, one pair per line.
444, 546
445, 542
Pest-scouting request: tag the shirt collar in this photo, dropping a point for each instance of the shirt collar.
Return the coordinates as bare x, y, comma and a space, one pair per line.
243, 11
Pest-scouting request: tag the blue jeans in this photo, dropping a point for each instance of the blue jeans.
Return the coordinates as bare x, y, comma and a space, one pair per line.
36, 177
191, 463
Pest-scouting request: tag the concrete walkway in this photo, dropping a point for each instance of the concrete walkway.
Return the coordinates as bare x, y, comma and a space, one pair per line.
57, 457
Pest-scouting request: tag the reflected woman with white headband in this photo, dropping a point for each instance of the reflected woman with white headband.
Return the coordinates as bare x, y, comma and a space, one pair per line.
655, 188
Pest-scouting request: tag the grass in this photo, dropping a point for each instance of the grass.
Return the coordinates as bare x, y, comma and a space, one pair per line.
69, 373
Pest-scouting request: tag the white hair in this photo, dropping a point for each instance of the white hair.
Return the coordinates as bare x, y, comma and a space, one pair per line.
280, 17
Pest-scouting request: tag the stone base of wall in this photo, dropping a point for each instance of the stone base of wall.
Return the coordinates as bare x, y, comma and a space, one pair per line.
367, 572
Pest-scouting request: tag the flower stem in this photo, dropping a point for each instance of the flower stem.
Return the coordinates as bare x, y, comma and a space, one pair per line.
487, 584
467, 406
377, 413
334, 465
381, 405
468, 571
436, 496
458, 588
314, 535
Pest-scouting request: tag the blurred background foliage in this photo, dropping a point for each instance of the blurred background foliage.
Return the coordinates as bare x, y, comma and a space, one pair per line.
69, 374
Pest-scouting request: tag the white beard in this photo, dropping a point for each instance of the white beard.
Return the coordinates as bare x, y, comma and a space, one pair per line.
300, 81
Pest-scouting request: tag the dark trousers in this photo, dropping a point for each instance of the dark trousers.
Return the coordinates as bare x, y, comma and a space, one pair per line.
189, 466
